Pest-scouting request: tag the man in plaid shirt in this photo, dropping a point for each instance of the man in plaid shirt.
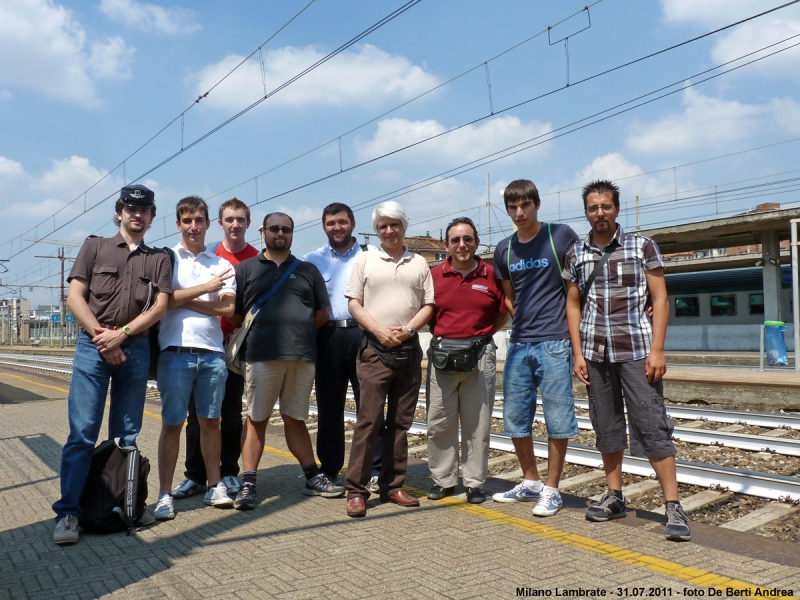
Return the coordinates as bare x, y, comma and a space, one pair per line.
620, 351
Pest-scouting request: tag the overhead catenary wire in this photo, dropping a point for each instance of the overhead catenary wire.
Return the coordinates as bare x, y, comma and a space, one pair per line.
320, 62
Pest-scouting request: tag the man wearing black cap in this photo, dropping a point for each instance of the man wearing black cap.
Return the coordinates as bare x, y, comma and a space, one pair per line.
118, 288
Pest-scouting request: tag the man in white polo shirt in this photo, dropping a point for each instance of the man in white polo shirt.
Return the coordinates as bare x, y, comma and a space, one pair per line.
192, 360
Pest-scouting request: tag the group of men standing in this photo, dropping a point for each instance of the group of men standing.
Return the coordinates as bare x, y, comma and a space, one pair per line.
351, 313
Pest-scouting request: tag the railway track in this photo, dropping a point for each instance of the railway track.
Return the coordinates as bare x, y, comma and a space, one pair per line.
706, 489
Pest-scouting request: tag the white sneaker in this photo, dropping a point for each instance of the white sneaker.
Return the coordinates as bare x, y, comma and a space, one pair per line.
231, 483
549, 503
519, 493
373, 486
187, 488
165, 509
218, 496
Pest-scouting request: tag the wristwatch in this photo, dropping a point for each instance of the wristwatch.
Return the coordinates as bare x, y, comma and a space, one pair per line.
127, 331
410, 330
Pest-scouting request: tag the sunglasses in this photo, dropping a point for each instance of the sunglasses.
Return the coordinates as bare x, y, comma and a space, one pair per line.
279, 229
468, 239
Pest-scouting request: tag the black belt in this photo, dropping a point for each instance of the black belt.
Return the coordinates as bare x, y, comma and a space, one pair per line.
189, 349
342, 323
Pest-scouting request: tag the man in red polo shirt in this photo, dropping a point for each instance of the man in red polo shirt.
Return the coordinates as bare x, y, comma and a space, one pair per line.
469, 308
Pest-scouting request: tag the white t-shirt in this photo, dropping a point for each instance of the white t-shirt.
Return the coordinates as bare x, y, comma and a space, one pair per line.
182, 326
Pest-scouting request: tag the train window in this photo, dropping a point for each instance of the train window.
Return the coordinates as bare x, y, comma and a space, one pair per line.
756, 304
723, 306
688, 306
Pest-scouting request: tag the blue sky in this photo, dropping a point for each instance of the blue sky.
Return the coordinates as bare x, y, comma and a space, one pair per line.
84, 84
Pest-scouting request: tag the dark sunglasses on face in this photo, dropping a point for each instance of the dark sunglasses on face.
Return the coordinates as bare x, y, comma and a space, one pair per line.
468, 239
279, 228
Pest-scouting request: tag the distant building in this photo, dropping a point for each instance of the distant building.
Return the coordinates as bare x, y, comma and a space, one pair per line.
15, 315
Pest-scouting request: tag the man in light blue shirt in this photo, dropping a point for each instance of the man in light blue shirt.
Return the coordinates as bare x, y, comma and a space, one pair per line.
338, 342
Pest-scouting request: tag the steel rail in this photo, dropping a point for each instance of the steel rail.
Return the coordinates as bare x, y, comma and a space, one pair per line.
752, 483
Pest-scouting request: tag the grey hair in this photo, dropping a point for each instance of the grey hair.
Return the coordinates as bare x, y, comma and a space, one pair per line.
389, 210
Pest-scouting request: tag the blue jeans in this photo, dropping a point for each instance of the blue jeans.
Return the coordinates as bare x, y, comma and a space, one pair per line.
86, 404
543, 365
181, 375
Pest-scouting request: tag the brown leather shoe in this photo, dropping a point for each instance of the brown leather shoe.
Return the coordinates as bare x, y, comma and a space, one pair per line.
356, 507
401, 497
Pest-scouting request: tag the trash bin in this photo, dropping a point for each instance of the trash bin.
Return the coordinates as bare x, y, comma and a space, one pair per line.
773, 344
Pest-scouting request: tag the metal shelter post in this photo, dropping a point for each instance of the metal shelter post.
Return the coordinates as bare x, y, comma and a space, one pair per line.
795, 294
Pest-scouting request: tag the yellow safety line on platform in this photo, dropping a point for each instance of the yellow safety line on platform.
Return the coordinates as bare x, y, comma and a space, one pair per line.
44, 385
637, 559
666, 567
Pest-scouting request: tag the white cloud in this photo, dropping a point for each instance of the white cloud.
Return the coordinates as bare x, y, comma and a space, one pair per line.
146, 17
758, 34
712, 12
5, 95
45, 48
365, 76
111, 59
461, 145
706, 122
786, 112
300, 214
746, 37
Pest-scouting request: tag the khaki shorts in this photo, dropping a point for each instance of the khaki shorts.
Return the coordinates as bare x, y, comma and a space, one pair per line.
289, 380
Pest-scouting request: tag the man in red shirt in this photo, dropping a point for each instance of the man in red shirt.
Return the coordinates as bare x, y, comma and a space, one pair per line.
234, 218
469, 307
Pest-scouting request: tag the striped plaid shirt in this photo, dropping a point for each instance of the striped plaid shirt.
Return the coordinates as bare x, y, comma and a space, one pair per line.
614, 320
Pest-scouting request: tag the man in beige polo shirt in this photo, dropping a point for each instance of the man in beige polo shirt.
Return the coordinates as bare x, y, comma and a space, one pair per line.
391, 297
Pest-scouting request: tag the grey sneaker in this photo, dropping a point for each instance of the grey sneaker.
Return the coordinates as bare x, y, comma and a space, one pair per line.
373, 486
165, 509
246, 498
677, 523
519, 493
549, 503
231, 483
321, 485
187, 488
66, 530
217, 496
609, 507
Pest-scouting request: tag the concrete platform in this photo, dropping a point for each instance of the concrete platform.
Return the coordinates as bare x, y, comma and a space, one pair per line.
293, 546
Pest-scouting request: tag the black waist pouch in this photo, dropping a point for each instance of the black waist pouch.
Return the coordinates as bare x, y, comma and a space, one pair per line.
396, 357
457, 354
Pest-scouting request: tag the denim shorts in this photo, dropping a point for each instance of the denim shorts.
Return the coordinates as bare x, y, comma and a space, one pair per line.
543, 365
181, 374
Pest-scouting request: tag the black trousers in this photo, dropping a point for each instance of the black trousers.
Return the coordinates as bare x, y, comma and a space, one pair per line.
230, 428
337, 351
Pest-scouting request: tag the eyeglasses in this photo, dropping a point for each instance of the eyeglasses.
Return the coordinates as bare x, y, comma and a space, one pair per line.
467, 239
279, 229
606, 208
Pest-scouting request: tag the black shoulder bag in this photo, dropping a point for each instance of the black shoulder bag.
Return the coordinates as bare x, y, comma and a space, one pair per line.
463, 355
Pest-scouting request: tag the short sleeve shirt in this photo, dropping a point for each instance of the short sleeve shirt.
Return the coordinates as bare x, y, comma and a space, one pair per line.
392, 291
614, 320
284, 327
183, 326
121, 282
465, 306
540, 306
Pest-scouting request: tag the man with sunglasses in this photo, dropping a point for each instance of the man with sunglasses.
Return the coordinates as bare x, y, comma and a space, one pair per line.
469, 307
118, 289
280, 353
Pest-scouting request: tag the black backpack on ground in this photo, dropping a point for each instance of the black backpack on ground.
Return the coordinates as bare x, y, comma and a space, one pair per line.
115, 494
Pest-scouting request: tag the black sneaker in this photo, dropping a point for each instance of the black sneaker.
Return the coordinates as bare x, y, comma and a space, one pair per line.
609, 507
475, 495
321, 485
438, 492
246, 498
677, 523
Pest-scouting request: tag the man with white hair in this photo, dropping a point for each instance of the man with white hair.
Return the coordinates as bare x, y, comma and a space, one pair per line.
391, 296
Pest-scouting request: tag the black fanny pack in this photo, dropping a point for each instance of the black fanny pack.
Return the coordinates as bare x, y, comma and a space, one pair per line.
395, 357
457, 354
